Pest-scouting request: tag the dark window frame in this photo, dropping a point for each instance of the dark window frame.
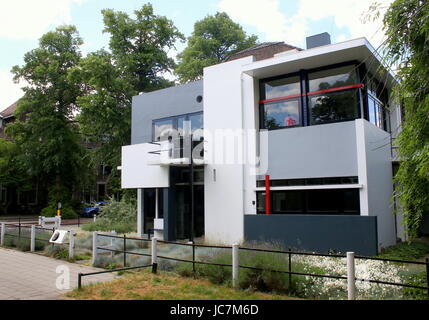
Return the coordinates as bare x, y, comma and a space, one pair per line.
361, 105
341, 209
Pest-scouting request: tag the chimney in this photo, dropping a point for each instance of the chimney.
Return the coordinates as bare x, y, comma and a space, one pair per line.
318, 40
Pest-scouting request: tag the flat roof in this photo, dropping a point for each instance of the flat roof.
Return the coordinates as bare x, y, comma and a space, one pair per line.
292, 61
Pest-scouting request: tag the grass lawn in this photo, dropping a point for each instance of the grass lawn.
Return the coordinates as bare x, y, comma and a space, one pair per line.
164, 286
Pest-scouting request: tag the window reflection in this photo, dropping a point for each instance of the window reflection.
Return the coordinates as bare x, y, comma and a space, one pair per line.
332, 107
332, 78
282, 88
162, 129
282, 114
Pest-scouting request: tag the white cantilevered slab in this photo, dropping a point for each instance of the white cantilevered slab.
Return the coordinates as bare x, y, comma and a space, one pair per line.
138, 170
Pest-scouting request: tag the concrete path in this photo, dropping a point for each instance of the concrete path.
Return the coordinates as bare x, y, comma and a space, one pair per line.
28, 276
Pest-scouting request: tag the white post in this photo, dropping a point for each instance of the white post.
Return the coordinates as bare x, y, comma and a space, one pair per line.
3, 231
235, 265
57, 222
42, 221
156, 204
33, 238
95, 217
112, 244
71, 244
351, 279
154, 250
94, 247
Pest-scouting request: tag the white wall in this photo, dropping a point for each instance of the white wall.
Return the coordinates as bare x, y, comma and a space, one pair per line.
327, 150
136, 168
375, 174
223, 109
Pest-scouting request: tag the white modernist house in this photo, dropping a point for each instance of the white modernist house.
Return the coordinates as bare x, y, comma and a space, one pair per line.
288, 145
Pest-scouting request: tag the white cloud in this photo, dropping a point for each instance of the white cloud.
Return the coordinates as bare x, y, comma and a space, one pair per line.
29, 19
10, 92
277, 26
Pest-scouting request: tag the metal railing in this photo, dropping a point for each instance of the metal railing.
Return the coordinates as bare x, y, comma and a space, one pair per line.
235, 263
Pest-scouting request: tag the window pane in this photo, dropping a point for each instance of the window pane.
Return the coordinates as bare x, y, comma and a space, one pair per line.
287, 201
162, 129
282, 88
197, 126
332, 78
336, 106
351, 201
282, 114
260, 202
326, 201
371, 110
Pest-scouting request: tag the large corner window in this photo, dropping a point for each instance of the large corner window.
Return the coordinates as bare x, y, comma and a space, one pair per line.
281, 105
318, 96
333, 95
317, 201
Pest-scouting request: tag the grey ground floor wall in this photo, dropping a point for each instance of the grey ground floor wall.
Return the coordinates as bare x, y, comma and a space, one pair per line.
319, 233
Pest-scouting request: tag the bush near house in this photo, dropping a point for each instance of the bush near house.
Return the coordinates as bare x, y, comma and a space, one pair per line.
67, 211
119, 216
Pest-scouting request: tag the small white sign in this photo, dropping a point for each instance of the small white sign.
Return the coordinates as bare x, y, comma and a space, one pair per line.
58, 237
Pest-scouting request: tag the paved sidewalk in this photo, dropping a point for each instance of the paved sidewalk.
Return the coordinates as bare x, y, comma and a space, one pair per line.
27, 276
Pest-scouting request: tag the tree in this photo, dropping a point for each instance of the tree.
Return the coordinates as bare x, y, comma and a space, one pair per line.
214, 39
12, 175
137, 62
45, 129
407, 30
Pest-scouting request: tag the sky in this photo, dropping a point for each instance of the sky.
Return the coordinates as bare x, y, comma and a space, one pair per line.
23, 22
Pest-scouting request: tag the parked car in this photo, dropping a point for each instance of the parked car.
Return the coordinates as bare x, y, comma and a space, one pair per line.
94, 209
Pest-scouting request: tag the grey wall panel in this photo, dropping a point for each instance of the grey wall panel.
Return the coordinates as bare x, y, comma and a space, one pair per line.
327, 150
319, 233
161, 104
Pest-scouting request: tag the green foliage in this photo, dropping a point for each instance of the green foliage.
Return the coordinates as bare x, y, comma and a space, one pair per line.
406, 251
119, 216
254, 280
137, 60
45, 131
12, 174
418, 279
214, 39
406, 24
67, 211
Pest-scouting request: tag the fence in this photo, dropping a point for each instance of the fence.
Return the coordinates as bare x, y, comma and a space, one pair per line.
235, 263
36, 220
33, 236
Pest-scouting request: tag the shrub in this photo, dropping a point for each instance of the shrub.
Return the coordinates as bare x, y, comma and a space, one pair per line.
418, 279
119, 216
67, 211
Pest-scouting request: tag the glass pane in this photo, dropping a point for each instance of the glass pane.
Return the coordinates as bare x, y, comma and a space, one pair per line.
197, 126
336, 106
332, 78
287, 201
351, 201
162, 129
371, 110
260, 202
282, 114
196, 121
282, 87
323, 201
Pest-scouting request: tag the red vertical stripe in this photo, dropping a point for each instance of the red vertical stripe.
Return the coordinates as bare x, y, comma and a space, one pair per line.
267, 195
